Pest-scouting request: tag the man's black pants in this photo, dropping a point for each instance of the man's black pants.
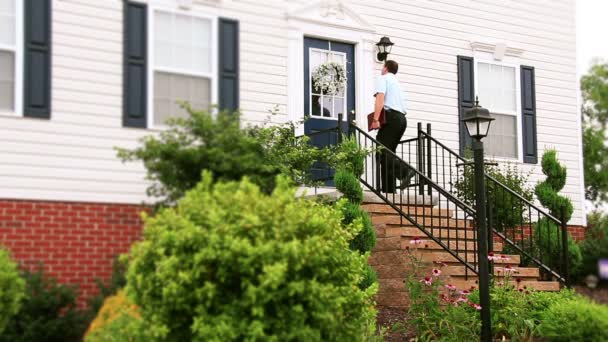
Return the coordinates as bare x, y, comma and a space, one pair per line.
390, 135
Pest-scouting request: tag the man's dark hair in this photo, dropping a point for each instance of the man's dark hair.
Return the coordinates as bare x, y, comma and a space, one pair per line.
391, 66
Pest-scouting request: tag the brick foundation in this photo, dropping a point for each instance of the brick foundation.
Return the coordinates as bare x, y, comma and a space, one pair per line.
577, 233
76, 242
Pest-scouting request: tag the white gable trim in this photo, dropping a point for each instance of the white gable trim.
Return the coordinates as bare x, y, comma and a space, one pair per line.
331, 20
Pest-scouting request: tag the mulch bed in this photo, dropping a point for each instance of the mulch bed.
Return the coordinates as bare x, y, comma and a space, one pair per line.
387, 317
598, 295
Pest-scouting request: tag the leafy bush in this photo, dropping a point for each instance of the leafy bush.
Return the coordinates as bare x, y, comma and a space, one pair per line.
575, 320
12, 289
595, 245
547, 234
118, 320
175, 157
118, 280
230, 263
507, 210
348, 184
48, 312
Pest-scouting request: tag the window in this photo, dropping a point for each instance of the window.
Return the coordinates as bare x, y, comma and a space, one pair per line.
497, 88
183, 67
323, 105
9, 55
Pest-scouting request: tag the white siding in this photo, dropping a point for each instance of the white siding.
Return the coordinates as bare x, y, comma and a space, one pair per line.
71, 156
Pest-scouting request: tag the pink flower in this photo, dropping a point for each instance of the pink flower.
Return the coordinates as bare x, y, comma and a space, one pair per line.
427, 281
504, 257
436, 272
462, 300
450, 287
465, 293
476, 306
509, 269
416, 241
491, 256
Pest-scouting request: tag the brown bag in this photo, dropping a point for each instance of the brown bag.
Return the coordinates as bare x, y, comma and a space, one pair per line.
381, 119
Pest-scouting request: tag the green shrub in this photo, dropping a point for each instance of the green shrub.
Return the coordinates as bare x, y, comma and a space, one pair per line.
230, 263
348, 156
175, 158
365, 240
595, 245
48, 312
12, 289
118, 280
507, 210
348, 184
575, 320
547, 234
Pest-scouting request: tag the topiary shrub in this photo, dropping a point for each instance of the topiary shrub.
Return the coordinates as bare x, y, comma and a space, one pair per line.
12, 289
348, 184
230, 263
547, 235
48, 312
575, 320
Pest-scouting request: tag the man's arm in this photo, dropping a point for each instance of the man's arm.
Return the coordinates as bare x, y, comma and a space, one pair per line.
379, 105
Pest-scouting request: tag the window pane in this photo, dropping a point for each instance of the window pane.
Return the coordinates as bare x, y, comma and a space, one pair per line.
7, 22
182, 42
496, 85
502, 138
171, 88
7, 86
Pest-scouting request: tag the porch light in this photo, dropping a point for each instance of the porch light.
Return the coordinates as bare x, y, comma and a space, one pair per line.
384, 48
477, 120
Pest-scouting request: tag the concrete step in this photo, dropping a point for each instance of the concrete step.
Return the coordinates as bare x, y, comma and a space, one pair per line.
417, 200
376, 209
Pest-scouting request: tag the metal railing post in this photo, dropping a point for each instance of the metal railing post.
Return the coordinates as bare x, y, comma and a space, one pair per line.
340, 127
565, 251
429, 161
420, 158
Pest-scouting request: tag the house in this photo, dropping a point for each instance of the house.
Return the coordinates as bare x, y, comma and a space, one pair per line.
80, 77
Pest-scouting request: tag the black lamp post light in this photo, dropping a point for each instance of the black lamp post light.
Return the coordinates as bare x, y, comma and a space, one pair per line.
384, 48
477, 121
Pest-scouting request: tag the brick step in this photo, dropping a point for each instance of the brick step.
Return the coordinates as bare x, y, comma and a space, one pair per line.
522, 272
397, 242
398, 284
411, 200
396, 257
426, 222
377, 209
393, 299
387, 230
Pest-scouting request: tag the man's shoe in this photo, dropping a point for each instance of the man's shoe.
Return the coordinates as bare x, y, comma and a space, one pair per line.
406, 181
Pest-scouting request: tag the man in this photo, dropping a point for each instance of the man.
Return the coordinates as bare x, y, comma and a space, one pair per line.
388, 96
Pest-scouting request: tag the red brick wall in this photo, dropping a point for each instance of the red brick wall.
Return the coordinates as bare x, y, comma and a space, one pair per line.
577, 232
76, 242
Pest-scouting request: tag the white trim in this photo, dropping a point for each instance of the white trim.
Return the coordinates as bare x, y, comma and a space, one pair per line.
299, 25
518, 120
213, 76
498, 50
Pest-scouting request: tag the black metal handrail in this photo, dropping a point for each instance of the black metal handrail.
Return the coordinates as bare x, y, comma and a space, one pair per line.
524, 228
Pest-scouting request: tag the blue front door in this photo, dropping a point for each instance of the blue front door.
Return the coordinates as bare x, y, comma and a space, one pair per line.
321, 109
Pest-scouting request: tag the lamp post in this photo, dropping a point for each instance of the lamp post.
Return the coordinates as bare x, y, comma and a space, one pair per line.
477, 121
384, 48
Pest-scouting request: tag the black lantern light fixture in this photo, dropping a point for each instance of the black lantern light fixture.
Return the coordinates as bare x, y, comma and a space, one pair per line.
477, 120
384, 48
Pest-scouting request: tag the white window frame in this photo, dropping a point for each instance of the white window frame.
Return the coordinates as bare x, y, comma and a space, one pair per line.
517, 115
213, 75
18, 51
345, 97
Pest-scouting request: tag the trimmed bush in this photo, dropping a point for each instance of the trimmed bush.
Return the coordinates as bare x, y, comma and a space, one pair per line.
547, 234
348, 184
12, 289
575, 320
230, 263
48, 312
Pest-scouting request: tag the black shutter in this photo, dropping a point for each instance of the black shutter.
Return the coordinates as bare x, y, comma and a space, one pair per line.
466, 97
37, 59
528, 111
229, 64
135, 57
